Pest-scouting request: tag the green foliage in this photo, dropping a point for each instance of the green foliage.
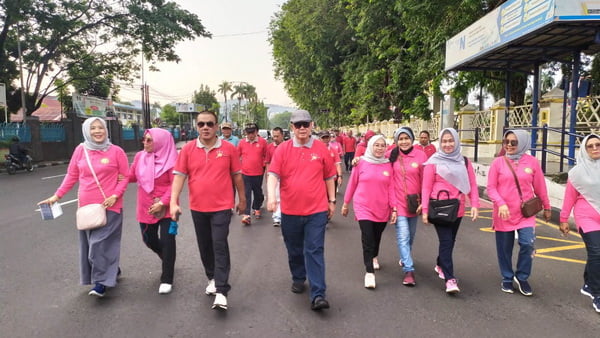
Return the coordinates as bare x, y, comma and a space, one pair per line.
206, 97
169, 115
88, 41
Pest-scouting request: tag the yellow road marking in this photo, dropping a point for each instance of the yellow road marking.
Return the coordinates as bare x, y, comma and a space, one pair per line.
562, 259
560, 248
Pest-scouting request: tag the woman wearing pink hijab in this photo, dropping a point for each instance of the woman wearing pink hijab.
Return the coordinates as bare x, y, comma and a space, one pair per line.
152, 169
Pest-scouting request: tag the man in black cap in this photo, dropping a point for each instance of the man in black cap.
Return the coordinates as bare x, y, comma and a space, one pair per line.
253, 151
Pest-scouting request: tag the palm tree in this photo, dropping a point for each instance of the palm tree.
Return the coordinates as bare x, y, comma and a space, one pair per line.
238, 91
224, 88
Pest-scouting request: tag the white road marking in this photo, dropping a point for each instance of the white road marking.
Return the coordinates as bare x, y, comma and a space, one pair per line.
49, 177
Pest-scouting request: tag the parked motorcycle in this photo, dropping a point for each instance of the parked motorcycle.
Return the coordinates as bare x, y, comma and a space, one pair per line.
12, 164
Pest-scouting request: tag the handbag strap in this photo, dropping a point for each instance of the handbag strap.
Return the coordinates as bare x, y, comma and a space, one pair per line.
87, 158
515, 176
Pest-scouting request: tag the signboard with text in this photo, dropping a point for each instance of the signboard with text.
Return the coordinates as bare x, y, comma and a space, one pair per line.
88, 106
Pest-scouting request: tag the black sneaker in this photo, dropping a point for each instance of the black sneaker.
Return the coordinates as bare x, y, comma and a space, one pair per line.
276, 224
596, 304
99, 290
298, 287
524, 287
508, 287
320, 303
585, 290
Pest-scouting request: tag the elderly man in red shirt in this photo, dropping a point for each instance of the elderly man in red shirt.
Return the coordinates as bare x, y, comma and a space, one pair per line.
305, 170
212, 166
253, 151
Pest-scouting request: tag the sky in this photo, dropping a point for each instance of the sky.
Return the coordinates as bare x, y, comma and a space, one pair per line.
238, 51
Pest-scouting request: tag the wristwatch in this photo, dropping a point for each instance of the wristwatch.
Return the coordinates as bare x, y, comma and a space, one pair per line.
332, 201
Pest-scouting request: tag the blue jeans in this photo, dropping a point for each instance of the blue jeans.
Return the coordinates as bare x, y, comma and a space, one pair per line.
304, 238
591, 275
406, 227
505, 241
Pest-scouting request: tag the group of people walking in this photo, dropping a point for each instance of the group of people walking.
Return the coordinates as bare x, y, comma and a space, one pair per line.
397, 184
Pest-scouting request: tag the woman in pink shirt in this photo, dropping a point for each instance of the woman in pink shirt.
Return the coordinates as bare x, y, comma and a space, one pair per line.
99, 249
152, 169
507, 217
407, 162
370, 186
582, 196
447, 170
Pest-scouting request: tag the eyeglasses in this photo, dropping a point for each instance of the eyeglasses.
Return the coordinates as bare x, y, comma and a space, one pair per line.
209, 124
147, 140
301, 124
593, 145
513, 143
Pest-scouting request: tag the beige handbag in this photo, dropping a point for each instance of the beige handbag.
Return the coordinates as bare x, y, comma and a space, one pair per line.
91, 216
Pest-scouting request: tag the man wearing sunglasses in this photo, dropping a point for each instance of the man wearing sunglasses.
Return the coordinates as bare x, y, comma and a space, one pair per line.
305, 170
253, 151
212, 166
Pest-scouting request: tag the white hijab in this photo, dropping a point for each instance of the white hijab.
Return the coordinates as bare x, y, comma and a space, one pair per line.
369, 156
524, 143
585, 176
451, 166
87, 135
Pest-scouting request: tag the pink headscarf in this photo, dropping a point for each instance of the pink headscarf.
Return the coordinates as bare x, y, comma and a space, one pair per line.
161, 160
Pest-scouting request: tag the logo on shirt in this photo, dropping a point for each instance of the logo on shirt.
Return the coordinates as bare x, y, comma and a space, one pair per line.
414, 165
528, 170
219, 154
104, 161
386, 173
257, 145
314, 157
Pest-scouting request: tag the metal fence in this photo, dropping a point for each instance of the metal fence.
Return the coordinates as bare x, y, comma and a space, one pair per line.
52, 132
8, 130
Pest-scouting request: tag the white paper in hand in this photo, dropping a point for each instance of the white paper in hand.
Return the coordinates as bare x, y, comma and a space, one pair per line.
50, 211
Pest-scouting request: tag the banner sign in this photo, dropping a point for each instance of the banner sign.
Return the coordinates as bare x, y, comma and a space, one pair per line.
188, 107
88, 106
2, 94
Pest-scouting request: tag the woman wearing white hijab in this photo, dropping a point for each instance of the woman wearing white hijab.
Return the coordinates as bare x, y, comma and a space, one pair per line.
582, 196
371, 187
99, 249
507, 217
448, 170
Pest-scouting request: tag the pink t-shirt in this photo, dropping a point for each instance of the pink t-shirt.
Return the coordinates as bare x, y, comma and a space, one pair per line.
371, 189
209, 174
253, 155
162, 190
502, 190
586, 217
108, 165
410, 180
433, 183
302, 171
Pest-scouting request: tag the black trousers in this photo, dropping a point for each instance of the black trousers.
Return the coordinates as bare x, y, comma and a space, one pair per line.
253, 186
348, 156
447, 237
212, 230
164, 246
371, 238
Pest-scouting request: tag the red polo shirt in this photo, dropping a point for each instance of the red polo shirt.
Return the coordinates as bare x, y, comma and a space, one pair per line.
428, 149
302, 172
252, 155
209, 174
271, 147
349, 144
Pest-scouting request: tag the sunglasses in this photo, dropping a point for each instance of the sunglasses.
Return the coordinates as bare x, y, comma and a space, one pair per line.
513, 143
209, 124
301, 124
147, 140
592, 145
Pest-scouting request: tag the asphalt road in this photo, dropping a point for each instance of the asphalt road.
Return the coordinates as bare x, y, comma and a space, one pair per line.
40, 295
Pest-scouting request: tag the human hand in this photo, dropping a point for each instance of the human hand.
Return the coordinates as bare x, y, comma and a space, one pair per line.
425, 219
156, 208
345, 210
271, 204
50, 200
393, 217
175, 211
547, 215
355, 161
241, 206
120, 178
331, 210
503, 212
110, 201
564, 228
474, 214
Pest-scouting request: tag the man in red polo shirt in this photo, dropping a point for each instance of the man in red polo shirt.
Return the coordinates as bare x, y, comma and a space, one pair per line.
277, 137
212, 166
425, 145
253, 151
304, 168
349, 147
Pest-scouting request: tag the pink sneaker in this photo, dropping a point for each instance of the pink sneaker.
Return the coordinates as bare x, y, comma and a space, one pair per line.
452, 286
438, 270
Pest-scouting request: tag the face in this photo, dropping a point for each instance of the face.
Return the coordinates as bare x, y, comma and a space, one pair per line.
302, 130
326, 139
148, 143
510, 144
423, 139
251, 135
98, 132
379, 148
226, 132
404, 142
277, 136
447, 143
592, 146
206, 126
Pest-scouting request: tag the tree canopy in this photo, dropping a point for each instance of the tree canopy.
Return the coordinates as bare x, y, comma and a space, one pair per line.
87, 44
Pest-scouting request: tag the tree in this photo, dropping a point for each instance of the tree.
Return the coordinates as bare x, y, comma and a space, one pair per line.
169, 115
206, 97
281, 120
58, 36
224, 88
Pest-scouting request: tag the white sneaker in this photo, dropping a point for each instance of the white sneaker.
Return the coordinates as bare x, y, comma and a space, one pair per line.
211, 289
370, 280
165, 288
376, 264
220, 302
